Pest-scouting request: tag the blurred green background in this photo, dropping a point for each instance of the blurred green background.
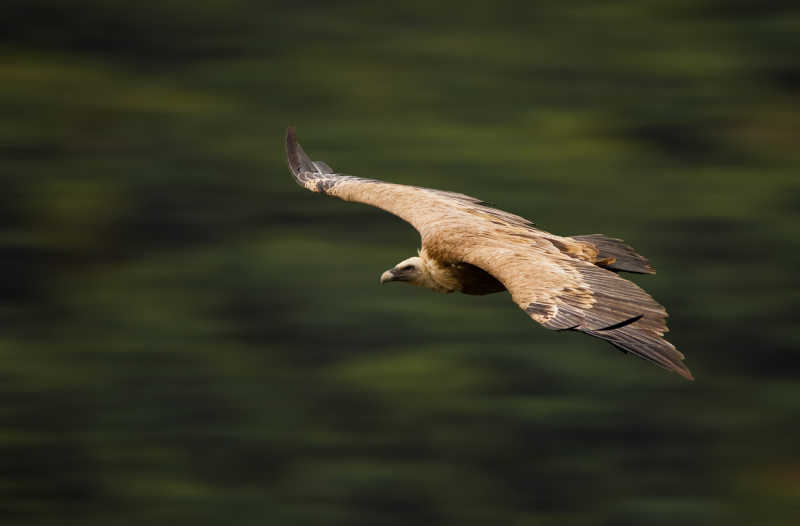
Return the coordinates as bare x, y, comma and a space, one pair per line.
186, 336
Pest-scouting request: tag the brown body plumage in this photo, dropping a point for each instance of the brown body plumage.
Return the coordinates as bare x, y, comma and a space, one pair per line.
470, 247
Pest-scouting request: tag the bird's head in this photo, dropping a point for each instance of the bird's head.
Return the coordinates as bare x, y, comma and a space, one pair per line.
411, 271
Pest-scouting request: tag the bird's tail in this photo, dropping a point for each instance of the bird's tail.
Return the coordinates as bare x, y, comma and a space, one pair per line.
615, 255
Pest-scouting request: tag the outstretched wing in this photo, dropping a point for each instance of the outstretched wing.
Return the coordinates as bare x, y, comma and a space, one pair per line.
554, 279
424, 208
566, 293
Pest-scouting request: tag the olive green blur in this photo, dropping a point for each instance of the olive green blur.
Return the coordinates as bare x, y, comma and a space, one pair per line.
188, 337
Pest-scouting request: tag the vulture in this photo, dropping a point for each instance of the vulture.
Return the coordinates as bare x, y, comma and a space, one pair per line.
564, 283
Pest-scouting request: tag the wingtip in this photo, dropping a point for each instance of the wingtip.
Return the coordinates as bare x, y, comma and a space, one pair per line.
293, 157
291, 141
684, 371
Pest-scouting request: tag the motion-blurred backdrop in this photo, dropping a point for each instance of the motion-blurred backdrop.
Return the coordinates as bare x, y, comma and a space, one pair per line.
187, 337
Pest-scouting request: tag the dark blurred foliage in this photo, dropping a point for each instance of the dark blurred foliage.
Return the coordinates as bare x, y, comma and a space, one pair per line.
186, 336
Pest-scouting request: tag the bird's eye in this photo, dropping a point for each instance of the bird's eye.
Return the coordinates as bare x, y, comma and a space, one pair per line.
407, 267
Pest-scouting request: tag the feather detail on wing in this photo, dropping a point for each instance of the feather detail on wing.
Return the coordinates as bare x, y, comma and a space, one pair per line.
569, 294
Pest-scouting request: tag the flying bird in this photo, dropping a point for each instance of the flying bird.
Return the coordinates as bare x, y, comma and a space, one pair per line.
564, 283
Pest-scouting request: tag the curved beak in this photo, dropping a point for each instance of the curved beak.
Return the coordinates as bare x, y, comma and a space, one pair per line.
387, 276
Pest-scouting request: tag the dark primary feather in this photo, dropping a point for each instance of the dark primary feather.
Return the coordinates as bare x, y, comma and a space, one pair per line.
316, 176
622, 314
300, 164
